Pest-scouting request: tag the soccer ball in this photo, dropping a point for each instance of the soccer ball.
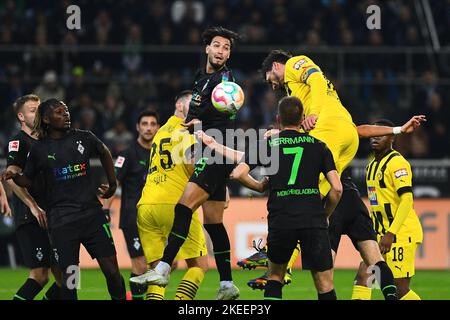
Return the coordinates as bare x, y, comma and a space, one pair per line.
227, 97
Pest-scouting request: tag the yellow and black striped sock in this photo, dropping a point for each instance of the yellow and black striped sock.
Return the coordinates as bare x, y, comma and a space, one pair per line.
294, 256
155, 293
411, 295
187, 289
361, 293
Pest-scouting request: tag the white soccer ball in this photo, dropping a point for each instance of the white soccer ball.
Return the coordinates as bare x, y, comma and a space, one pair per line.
227, 97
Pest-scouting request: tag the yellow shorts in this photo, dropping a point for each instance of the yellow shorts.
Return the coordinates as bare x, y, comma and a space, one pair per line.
402, 256
341, 137
154, 225
401, 259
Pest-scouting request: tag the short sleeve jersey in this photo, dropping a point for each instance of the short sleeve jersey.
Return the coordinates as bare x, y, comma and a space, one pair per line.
201, 106
17, 154
71, 191
131, 168
294, 198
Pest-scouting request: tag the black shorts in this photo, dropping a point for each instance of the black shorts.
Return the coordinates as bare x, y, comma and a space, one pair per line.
352, 218
314, 243
131, 235
212, 177
93, 232
34, 243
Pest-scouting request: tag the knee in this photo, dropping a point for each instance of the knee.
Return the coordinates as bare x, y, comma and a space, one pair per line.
40, 275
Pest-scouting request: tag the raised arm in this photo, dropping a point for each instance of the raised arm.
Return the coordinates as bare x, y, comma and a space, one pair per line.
231, 154
368, 131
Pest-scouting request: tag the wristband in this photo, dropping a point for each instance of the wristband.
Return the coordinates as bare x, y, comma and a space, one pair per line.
397, 130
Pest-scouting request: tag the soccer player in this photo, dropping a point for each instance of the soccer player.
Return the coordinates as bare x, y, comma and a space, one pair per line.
389, 188
168, 176
62, 156
326, 118
207, 186
28, 205
131, 171
296, 212
352, 218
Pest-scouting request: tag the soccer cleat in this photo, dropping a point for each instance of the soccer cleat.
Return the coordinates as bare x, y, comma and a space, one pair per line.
260, 282
151, 277
258, 259
228, 293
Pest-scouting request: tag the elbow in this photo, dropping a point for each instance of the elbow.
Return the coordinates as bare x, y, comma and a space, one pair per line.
338, 190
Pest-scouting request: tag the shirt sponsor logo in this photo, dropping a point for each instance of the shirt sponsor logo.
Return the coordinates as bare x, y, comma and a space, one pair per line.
70, 172
299, 63
13, 146
372, 194
119, 162
400, 173
298, 192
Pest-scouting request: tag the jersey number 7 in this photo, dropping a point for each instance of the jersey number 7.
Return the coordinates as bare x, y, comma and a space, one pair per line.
298, 151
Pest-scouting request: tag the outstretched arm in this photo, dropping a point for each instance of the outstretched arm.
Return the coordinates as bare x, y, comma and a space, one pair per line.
231, 154
368, 131
241, 174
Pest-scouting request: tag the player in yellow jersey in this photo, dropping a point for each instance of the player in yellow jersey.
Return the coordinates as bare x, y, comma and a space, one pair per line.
325, 117
168, 175
389, 186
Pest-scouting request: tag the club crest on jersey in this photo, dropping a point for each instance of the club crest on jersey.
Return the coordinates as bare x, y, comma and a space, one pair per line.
372, 194
39, 254
119, 162
13, 145
80, 147
400, 173
299, 63
379, 176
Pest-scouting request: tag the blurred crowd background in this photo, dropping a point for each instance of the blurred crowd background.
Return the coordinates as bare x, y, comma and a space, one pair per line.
132, 55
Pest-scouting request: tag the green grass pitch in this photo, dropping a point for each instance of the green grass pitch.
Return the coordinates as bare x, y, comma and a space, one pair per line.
430, 285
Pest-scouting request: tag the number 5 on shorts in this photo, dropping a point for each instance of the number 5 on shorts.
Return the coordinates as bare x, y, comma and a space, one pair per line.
298, 151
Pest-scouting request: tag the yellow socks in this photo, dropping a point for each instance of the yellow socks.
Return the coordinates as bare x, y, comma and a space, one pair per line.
361, 293
155, 293
187, 289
